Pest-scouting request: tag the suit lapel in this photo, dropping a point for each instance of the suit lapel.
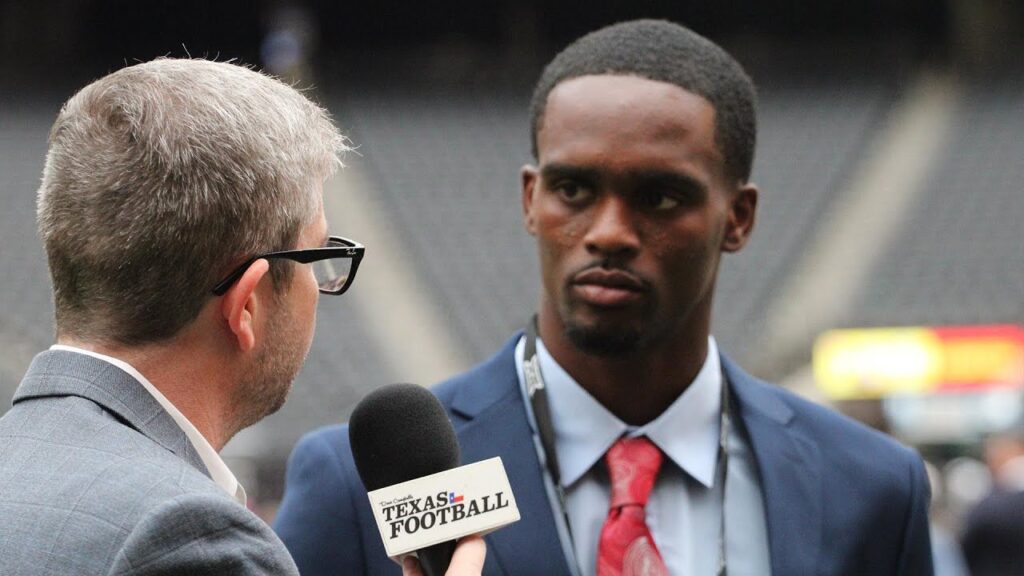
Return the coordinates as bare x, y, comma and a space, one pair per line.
789, 465
61, 373
496, 425
491, 421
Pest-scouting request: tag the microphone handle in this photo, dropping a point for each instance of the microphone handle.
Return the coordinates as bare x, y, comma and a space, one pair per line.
435, 559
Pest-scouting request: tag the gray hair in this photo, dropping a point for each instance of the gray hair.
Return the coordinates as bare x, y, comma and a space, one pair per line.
162, 176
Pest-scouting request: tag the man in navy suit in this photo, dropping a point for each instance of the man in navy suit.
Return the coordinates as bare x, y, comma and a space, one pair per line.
643, 133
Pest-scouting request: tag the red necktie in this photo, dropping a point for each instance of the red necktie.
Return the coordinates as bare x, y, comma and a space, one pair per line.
626, 547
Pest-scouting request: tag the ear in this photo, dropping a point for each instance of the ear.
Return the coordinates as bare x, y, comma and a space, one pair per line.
241, 304
529, 177
742, 214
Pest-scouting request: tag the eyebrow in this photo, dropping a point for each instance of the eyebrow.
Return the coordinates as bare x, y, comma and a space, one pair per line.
642, 178
668, 179
557, 171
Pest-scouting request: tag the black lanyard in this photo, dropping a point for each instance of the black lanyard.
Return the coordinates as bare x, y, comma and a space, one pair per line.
537, 392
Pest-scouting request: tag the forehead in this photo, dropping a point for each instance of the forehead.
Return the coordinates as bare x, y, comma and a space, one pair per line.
606, 115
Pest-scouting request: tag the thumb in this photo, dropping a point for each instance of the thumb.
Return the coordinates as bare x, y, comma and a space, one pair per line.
469, 556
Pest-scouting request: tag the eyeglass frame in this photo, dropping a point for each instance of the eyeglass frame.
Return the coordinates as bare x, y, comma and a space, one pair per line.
354, 250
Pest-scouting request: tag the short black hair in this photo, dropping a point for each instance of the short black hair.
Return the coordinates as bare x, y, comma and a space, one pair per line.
665, 52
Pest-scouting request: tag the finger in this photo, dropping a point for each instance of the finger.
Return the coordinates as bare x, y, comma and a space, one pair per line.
411, 566
469, 557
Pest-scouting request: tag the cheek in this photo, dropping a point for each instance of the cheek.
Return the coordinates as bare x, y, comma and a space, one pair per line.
310, 297
309, 280
563, 254
561, 227
572, 232
557, 235
556, 239
688, 253
314, 297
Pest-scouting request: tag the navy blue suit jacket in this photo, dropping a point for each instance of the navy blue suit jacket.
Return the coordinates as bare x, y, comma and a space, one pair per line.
840, 499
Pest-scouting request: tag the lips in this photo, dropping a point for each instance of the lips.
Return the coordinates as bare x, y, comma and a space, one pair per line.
602, 287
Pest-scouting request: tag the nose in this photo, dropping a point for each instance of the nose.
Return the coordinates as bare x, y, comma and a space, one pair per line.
612, 231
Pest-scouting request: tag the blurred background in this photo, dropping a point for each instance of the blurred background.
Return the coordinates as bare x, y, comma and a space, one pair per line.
885, 277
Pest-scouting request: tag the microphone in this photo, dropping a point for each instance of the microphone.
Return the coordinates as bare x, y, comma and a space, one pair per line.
398, 433
407, 456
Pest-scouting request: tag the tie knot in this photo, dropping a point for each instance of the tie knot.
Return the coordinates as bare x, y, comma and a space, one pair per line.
633, 464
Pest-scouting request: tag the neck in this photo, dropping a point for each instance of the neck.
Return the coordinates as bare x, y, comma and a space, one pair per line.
636, 387
189, 378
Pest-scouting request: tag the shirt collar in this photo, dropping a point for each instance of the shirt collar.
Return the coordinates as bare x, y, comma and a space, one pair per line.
219, 471
687, 431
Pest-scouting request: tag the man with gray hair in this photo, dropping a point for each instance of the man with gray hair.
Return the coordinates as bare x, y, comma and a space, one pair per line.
181, 211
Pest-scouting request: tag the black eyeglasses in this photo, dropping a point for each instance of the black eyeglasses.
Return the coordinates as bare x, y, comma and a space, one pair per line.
334, 265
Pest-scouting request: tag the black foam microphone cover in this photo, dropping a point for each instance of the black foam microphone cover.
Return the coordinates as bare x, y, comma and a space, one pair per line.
398, 433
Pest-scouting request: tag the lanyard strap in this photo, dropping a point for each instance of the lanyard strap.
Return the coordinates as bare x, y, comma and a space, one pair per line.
537, 392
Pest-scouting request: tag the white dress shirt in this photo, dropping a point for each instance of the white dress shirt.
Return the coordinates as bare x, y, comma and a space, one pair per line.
685, 509
219, 471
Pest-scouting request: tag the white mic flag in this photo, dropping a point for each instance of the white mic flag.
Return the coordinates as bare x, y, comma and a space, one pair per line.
471, 499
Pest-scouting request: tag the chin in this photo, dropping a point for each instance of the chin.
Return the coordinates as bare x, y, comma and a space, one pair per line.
607, 342
275, 402
262, 402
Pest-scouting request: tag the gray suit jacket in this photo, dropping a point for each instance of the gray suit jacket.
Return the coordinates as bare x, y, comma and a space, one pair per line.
96, 478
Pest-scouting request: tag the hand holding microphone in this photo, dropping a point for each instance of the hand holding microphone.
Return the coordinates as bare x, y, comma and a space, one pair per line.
407, 456
467, 561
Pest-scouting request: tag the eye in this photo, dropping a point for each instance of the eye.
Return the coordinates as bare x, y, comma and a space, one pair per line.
572, 192
657, 201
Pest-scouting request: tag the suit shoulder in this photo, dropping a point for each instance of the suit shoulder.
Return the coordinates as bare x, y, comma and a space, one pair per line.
200, 533
846, 444
840, 429
78, 490
332, 438
479, 380
111, 460
781, 405
322, 464
325, 518
851, 451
